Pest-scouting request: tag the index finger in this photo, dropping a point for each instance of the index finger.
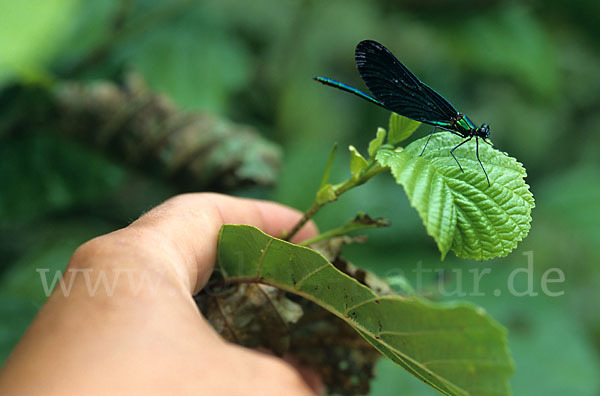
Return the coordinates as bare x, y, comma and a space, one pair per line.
189, 224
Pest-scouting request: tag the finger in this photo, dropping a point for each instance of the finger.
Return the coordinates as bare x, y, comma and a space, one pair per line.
189, 224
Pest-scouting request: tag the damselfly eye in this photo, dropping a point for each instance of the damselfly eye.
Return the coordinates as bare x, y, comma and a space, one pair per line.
485, 130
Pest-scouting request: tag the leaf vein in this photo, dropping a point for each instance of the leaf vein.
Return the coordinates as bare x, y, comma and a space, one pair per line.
298, 284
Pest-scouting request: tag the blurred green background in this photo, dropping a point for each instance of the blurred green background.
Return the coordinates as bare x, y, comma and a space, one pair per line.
529, 69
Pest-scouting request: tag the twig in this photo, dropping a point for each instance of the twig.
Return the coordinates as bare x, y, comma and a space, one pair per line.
370, 170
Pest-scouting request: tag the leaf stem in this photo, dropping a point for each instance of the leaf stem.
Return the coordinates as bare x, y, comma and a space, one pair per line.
357, 224
372, 169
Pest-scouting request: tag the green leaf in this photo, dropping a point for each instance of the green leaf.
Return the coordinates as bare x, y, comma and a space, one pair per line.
455, 348
357, 161
377, 142
401, 128
326, 194
459, 210
327, 171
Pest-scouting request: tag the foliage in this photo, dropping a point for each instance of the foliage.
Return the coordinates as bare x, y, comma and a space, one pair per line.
530, 70
401, 128
455, 348
460, 211
404, 329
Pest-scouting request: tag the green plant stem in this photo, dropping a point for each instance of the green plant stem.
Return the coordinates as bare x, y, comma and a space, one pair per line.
367, 173
347, 228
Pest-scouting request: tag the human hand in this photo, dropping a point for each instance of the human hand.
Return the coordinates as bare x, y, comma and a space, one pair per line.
139, 331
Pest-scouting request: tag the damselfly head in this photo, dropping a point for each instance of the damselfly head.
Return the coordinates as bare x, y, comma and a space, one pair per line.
484, 131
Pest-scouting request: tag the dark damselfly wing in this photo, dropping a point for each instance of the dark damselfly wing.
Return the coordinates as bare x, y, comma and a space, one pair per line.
397, 89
